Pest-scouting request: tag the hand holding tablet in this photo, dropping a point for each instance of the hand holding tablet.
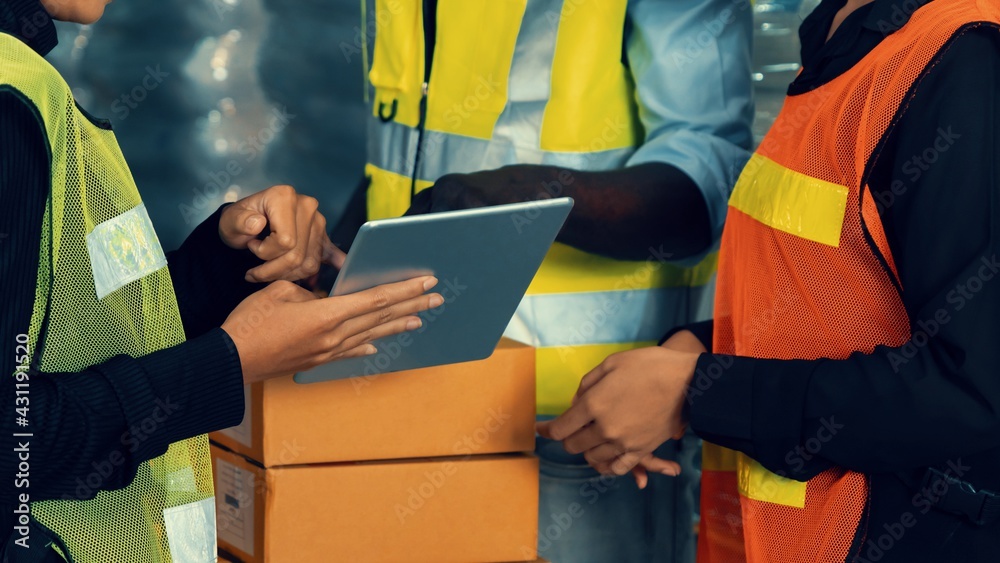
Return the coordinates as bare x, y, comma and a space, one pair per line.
484, 258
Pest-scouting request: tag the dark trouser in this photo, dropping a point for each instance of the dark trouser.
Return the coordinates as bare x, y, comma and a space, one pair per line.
584, 517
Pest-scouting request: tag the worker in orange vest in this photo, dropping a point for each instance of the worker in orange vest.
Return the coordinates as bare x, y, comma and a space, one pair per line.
850, 402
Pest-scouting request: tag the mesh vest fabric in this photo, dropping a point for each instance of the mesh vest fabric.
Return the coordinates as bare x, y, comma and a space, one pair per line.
806, 272
528, 82
92, 192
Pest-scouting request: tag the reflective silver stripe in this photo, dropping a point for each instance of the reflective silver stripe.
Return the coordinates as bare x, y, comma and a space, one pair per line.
448, 154
529, 85
190, 531
124, 249
606, 317
392, 147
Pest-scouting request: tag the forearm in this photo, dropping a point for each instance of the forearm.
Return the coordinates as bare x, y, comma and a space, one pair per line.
208, 277
92, 430
625, 214
636, 212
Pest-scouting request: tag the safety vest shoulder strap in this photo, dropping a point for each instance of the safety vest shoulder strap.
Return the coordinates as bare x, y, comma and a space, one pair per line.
30, 74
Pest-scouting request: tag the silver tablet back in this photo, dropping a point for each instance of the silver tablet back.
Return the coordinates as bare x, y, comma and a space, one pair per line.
484, 260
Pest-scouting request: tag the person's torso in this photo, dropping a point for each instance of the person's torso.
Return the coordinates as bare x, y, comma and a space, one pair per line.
805, 273
479, 85
104, 290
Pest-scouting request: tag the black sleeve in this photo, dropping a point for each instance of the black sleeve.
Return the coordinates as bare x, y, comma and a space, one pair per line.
936, 398
208, 277
701, 330
108, 418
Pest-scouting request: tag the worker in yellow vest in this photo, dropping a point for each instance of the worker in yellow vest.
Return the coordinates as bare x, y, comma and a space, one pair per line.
638, 109
119, 358
851, 394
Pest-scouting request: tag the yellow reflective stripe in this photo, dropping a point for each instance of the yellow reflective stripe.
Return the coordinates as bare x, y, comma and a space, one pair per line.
790, 201
589, 79
472, 60
757, 483
718, 458
389, 193
398, 64
561, 368
568, 270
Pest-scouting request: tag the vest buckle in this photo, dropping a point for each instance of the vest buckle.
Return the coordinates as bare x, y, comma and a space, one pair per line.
960, 498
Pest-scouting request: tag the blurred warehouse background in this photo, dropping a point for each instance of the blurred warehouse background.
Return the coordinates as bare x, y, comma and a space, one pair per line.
212, 100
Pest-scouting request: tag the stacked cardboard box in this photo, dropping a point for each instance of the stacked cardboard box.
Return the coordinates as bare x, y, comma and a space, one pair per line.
427, 465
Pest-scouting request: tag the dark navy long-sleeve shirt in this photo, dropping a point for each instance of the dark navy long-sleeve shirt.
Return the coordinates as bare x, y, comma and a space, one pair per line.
936, 400
81, 420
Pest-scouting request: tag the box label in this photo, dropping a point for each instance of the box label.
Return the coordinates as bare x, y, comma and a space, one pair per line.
244, 432
234, 498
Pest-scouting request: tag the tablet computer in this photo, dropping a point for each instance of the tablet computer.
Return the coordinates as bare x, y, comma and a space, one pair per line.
484, 260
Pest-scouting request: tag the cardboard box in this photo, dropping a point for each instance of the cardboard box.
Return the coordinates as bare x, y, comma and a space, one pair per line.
475, 509
481, 407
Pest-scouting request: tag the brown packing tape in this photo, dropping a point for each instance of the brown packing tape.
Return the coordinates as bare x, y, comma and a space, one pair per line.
474, 408
480, 508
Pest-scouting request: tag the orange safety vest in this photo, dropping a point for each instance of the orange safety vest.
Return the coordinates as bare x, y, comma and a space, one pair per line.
805, 272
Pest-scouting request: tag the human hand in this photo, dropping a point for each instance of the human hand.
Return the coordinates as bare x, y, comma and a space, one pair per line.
681, 341
284, 329
509, 184
626, 408
297, 243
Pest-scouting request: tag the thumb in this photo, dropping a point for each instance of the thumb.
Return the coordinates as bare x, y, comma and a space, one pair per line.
239, 226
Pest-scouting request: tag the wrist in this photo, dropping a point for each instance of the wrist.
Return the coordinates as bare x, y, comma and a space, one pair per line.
686, 367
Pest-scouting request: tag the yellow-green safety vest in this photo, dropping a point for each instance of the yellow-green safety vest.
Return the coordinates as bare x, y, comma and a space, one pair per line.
527, 82
104, 290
